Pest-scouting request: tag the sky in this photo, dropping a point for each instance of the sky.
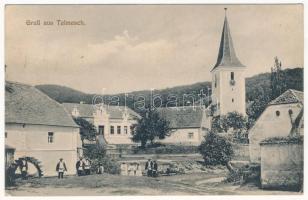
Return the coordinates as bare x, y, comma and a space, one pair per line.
123, 48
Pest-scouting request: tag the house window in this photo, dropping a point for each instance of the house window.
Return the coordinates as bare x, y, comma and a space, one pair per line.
232, 76
5, 134
190, 135
277, 113
101, 130
290, 112
131, 129
50, 137
232, 100
118, 129
111, 129
125, 130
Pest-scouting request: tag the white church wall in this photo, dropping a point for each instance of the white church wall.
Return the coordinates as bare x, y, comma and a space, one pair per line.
230, 97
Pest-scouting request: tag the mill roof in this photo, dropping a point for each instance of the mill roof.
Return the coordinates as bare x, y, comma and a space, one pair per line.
27, 105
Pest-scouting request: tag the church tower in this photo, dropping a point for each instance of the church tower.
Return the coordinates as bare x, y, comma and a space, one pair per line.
228, 77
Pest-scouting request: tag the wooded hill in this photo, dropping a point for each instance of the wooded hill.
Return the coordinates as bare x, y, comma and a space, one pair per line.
258, 92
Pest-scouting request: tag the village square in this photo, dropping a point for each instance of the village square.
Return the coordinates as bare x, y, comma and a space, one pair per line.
235, 135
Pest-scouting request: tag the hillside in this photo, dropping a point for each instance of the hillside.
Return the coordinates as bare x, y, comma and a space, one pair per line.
64, 94
258, 92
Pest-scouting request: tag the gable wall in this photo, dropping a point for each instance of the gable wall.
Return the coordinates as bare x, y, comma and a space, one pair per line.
269, 125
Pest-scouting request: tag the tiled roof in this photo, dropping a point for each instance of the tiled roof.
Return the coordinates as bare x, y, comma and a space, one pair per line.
289, 96
182, 117
226, 54
87, 110
27, 105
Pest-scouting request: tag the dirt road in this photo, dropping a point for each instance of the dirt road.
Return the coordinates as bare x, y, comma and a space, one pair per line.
96, 185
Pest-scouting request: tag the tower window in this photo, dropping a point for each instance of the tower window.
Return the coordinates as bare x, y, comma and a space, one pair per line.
125, 130
277, 113
118, 129
232, 76
232, 100
290, 112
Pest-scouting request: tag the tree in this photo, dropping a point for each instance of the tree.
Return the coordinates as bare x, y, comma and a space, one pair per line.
150, 127
87, 129
215, 149
97, 155
278, 84
234, 122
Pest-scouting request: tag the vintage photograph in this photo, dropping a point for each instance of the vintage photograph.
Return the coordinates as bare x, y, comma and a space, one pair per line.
187, 99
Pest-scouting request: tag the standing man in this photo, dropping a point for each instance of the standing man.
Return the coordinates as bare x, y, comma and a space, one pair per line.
100, 169
155, 167
149, 167
87, 167
61, 168
24, 169
80, 167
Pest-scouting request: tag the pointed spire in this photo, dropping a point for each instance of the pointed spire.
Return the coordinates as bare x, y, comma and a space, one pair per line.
226, 54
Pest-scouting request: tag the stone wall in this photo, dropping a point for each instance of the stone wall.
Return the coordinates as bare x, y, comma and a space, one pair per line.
281, 165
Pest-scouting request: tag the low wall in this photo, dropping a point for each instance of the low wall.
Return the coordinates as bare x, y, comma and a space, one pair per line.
281, 165
241, 152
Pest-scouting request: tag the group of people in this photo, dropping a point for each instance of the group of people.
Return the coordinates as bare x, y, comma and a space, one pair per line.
152, 168
83, 167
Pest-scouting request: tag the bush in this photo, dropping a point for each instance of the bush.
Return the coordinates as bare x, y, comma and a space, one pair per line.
215, 149
97, 155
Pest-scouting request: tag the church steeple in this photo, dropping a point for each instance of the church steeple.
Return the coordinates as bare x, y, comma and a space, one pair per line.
228, 78
226, 54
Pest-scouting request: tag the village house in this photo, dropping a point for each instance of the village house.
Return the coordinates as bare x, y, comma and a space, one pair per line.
39, 127
188, 124
115, 123
277, 120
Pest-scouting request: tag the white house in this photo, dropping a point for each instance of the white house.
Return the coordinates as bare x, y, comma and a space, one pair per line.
276, 121
115, 123
188, 124
228, 78
37, 126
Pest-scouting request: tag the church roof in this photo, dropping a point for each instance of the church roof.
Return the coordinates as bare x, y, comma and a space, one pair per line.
226, 53
289, 96
87, 110
25, 104
182, 117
